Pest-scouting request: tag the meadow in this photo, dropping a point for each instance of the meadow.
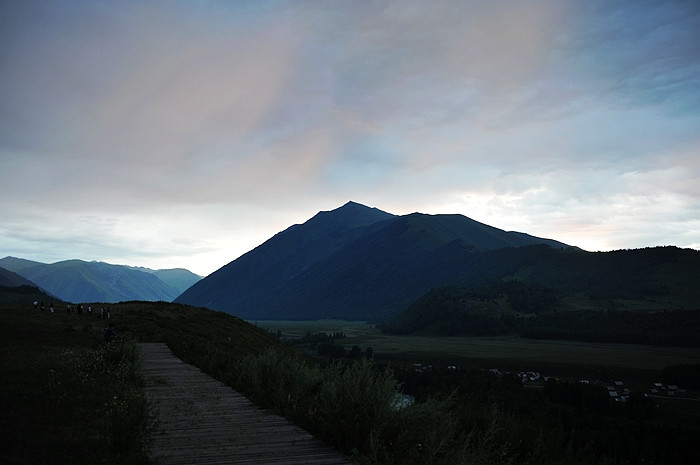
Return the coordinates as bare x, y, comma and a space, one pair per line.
67, 397
502, 351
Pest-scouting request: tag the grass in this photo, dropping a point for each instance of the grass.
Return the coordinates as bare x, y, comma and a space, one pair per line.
66, 396
487, 351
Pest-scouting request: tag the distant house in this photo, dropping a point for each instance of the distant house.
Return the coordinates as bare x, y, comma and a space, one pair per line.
402, 401
529, 376
419, 367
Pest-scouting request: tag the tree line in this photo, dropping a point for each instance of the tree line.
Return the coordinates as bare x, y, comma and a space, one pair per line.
533, 311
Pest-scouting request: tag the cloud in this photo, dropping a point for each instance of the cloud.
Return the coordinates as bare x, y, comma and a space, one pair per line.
192, 128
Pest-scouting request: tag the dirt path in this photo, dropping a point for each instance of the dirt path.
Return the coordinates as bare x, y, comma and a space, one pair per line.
201, 421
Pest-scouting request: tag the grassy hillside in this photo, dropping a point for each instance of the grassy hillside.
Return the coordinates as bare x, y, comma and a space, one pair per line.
67, 397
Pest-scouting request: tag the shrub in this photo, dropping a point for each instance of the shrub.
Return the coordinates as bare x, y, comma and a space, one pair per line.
281, 381
354, 400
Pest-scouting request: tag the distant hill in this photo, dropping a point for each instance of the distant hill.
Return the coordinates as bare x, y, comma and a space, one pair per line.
11, 279
642, 313
81, 281
179, 279
17, 264
354, 262
15, 289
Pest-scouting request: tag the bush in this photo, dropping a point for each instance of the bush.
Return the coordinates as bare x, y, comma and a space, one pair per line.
279, 381
422, 433
353, 401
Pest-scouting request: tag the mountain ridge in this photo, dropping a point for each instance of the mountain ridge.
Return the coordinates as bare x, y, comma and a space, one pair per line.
81, 281
11, 279
366, 268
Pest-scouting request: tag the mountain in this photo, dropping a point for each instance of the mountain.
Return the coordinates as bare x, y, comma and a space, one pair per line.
17, 264
11, 279
179, 279
80, 281
252, 278
354, 262
15, 289
643, 296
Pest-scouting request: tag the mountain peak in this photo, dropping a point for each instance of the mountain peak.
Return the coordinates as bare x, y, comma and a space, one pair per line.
353, 260
351, 214
351, 203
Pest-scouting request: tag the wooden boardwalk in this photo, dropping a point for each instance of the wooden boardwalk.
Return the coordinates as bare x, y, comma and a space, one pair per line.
202, 421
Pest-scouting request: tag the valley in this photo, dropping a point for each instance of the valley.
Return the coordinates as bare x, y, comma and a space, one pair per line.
468, 389
552, 357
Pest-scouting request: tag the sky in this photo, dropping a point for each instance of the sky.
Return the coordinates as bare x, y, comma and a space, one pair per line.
182, 134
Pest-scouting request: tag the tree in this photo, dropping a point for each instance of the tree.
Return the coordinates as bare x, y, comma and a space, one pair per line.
355, 352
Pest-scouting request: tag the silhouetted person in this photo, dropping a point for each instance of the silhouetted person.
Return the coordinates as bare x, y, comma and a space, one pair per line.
110, 333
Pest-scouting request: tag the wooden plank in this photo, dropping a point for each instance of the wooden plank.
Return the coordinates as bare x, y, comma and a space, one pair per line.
202, 421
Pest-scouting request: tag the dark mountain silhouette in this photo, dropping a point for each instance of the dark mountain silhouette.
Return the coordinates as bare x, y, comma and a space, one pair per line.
354, 262
254, 277
80, 281
11, 279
